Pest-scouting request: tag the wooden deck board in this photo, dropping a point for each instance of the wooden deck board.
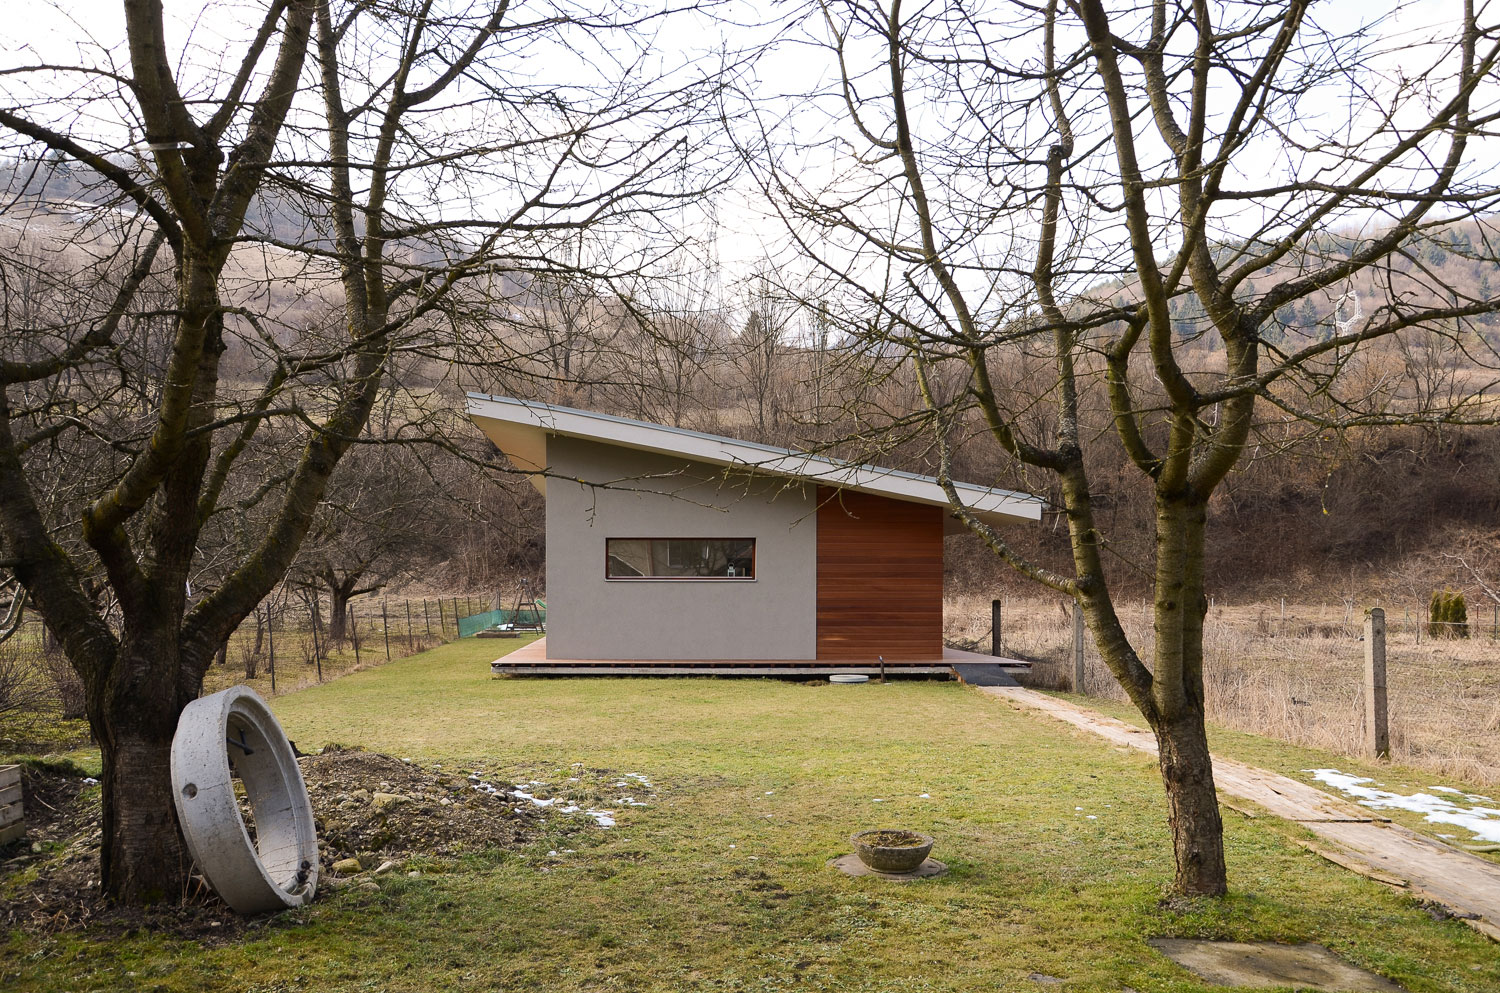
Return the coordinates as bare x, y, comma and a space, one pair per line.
532, 658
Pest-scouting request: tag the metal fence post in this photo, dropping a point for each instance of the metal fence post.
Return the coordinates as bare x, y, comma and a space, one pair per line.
1077, 648
354, 634
271, 642
997, 645
1377, 733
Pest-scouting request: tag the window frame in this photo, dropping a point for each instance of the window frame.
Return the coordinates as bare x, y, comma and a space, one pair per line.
754, 562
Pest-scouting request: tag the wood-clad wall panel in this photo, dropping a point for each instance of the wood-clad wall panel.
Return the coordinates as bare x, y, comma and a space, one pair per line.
880, 577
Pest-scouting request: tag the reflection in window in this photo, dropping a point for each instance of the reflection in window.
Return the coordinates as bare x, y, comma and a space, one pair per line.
680, 558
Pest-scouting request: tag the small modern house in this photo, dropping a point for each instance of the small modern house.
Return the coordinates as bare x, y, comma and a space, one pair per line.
669, 548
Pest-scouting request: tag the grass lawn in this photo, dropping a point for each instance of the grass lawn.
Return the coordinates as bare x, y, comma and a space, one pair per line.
1056, 843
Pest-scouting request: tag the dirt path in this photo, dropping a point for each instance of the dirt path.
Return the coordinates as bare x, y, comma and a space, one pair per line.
1348, 835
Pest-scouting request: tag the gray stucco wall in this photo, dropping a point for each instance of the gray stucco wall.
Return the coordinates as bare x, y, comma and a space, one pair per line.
654, 496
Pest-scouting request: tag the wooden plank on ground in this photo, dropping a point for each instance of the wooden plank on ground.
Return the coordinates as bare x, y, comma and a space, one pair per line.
10, 813
10, 794
10, 775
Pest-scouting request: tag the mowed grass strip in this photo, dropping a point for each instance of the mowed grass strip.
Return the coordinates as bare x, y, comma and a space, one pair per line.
1057, 846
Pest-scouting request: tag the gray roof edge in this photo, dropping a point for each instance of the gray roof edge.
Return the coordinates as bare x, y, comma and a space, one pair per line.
543, 416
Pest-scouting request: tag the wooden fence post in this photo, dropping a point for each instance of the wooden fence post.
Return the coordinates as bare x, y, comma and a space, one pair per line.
427, 617
1077, 648
409, 646
997, 646
385, 627
1377, 733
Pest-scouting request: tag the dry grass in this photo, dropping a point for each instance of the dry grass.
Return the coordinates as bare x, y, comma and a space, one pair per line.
1299, 679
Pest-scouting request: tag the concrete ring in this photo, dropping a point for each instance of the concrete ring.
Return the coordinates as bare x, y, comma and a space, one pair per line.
279, 869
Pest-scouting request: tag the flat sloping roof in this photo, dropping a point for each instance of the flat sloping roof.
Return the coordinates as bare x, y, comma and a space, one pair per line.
519, 428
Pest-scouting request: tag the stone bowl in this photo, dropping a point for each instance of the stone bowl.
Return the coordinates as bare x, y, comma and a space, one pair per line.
887, 850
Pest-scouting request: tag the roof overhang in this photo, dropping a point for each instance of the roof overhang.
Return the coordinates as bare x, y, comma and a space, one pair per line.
519, 428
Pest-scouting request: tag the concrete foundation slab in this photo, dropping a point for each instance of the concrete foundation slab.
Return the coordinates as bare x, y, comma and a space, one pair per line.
850, 865
1266, 964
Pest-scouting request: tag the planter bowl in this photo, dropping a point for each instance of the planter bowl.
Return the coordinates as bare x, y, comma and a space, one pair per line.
892, 851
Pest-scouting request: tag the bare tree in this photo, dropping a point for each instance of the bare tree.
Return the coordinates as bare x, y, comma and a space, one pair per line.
302, 219
1143, 199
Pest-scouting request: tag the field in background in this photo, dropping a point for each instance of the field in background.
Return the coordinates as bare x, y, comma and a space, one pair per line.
1297, 677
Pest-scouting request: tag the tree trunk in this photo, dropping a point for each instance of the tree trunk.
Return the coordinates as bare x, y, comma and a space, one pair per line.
143, 860
1193, 807
338, 611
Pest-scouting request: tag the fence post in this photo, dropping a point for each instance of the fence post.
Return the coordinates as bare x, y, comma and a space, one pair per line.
442, 619
409, 646
385, 627
457, 631
1377, 733
312, 620
354, 635
427, 617
997, 646
1077, 648
271, 642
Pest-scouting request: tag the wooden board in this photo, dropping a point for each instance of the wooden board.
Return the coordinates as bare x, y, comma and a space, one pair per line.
880, 577
10, 794
10, 775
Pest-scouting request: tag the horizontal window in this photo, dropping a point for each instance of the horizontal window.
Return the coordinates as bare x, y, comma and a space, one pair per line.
679, 558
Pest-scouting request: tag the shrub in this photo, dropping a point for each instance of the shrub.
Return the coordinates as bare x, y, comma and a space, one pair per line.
18, 690
1448, 615
65, 682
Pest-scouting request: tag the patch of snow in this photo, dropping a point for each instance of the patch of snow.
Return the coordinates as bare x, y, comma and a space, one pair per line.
878, 800
1077, 808
90, 781
925, 796
1092, 817
640, 779
770, 792
604, 818
1482, 822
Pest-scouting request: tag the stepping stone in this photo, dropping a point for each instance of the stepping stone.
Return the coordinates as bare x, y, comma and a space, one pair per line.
1267, 963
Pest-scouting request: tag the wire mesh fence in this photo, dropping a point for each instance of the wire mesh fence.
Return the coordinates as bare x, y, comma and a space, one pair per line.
292, 640
1291, 670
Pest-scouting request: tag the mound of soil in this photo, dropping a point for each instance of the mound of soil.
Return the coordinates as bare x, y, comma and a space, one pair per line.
370, 805
367, 806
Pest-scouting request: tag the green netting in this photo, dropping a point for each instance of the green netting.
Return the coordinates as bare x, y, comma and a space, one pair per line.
475, 623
